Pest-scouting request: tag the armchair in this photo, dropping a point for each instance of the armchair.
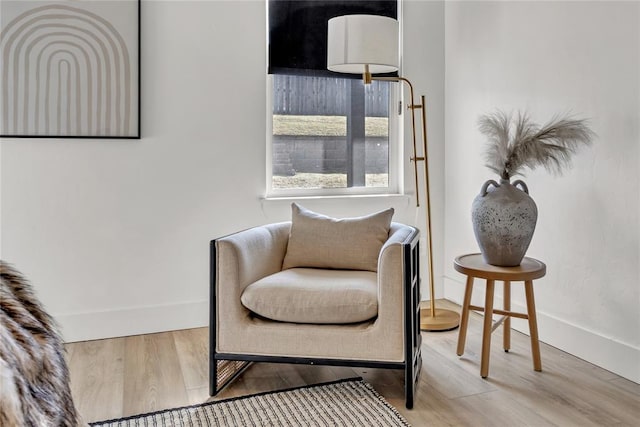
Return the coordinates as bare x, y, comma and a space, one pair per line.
253, 258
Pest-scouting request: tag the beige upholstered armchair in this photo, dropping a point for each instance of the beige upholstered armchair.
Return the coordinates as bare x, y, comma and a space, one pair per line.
316, 291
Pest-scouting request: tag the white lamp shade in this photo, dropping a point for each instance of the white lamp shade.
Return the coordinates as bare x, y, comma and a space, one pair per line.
358, 40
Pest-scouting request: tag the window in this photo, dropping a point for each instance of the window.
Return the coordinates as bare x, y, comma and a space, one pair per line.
330, 133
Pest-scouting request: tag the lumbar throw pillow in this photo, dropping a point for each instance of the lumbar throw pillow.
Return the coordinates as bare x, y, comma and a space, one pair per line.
320, 241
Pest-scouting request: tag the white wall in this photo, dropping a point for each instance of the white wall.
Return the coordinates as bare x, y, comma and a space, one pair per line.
423, 65
548, 58
115, 234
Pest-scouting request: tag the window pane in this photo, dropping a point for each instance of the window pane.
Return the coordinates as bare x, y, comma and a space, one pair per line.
329, 133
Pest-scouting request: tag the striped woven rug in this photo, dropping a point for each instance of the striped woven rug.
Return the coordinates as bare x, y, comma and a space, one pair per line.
349, 403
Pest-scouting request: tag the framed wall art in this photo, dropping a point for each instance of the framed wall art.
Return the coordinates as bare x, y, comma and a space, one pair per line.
70, 69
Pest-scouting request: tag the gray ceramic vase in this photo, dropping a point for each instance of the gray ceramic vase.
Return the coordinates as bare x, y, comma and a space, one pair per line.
504, 219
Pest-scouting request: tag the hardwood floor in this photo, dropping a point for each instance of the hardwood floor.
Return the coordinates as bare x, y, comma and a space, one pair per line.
125, 376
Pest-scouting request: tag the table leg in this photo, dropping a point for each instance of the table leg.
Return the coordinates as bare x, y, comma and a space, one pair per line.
533, 325
486, 334
506, 337
464, 318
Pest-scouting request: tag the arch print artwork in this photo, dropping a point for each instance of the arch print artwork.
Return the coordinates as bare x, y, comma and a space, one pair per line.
70, 68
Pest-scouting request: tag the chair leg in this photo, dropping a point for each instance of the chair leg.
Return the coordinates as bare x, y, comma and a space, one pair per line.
413, 338
486, 334
213, 376
409, 386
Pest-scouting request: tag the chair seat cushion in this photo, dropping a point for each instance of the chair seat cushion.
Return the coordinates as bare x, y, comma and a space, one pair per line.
309, 295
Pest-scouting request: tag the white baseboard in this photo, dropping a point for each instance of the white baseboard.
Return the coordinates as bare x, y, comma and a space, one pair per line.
133, 321
610, 354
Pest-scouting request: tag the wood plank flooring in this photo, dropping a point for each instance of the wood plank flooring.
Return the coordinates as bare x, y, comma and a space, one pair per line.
124, 376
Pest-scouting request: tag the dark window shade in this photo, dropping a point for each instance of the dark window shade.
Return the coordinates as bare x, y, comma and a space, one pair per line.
298, 32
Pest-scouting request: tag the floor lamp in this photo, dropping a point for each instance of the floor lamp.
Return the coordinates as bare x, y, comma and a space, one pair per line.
368, 44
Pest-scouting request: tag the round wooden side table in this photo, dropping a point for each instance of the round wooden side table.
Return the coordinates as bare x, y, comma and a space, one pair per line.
473, 265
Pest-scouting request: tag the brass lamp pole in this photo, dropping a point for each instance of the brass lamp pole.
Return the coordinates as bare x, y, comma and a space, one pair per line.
369, 43
431, 319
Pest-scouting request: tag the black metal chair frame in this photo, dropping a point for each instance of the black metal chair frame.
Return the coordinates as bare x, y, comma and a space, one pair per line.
225, 367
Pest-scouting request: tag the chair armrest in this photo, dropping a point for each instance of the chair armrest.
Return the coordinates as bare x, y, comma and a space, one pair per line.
236, 261
391, 268
242, 258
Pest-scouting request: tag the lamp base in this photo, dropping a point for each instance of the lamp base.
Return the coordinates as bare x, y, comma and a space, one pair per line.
444, 320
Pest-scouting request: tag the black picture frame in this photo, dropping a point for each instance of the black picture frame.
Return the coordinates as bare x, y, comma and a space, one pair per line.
70, 69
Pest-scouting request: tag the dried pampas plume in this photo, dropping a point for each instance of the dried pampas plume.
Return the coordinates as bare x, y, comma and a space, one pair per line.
516, 144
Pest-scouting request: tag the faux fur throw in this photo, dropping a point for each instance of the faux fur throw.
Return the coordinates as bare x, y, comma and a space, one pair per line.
34, 378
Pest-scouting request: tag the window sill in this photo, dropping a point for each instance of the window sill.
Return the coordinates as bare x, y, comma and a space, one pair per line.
287, 199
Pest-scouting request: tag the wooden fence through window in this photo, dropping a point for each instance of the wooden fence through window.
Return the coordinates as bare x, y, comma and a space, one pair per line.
325, 96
